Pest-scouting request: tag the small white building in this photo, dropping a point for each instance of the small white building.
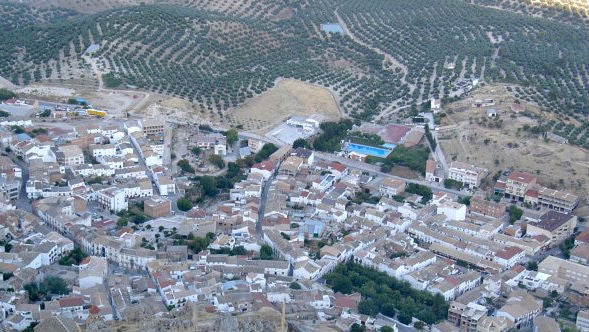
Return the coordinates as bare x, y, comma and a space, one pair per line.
113, 199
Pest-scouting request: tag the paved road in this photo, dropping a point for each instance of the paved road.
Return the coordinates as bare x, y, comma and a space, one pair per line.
363, 166
263, 200
401, 327
22, 203
375, 170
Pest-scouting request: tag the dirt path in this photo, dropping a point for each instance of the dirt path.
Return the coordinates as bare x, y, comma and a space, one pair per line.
98, 74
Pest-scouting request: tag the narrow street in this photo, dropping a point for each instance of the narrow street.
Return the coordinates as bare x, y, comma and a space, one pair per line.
263, 200
374, 169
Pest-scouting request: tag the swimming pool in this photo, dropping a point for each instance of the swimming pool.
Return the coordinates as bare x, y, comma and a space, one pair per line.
367, 150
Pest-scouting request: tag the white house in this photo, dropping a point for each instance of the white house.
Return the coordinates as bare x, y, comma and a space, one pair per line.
92, 272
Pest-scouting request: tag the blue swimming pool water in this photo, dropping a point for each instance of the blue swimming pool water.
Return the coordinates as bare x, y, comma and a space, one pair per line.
332, 28
368, 150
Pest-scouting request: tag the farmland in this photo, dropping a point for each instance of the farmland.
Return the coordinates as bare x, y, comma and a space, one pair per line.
218, 54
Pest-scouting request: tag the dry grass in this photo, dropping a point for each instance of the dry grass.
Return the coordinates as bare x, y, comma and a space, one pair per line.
287, 98
472, 140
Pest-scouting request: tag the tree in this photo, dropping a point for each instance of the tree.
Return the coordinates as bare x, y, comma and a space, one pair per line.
339, 283
50, 285
295, 285
368, 307
301, 143
208, 185
421, 190
404, 318
515, 213
357, 328
232, 136
6, 94
266, 252
532, 265
196, 150
45, 113
217, 161
265, 152
450, 183
75, 257
419, 325
185, 166
386, 328
184, 204
111, 80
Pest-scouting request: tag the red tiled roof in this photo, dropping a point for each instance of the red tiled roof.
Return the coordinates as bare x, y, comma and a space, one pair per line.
508, 253
94, 310
265, 165
74, 301
583, 237
338, 167
85, 261
500, 185
518, 268
346, 301
521, 177
532, 193
430, 166
393, 133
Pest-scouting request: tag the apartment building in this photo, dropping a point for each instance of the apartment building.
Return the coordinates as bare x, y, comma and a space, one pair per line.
557, 200
470, 175
70, 155
520, 308
466, 316
152, 127
113, 199
564, 269
479, 205
518, 183
583, 321
554, 225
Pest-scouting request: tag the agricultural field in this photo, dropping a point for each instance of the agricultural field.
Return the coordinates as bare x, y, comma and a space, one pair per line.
469, 135
218, 54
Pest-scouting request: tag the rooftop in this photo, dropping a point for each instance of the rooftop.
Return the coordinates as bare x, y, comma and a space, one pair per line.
552, 220
521, 177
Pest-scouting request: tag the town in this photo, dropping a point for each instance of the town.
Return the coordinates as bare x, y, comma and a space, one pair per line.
128, 218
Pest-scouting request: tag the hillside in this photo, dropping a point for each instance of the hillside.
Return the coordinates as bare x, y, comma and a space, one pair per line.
217, 54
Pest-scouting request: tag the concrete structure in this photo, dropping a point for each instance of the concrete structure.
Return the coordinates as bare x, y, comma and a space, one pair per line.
545, 324
564, 269
113, 199
479, 205
70, 155
93, 270
557, 200
518, 183
157, 207
554, 225
520, 308
466, 317
470, 175
583, 321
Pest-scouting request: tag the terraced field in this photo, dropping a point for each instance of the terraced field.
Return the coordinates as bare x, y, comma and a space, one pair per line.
217, 54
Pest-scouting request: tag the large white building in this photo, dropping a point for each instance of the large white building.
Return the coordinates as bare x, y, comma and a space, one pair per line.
469, 175
113, 199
